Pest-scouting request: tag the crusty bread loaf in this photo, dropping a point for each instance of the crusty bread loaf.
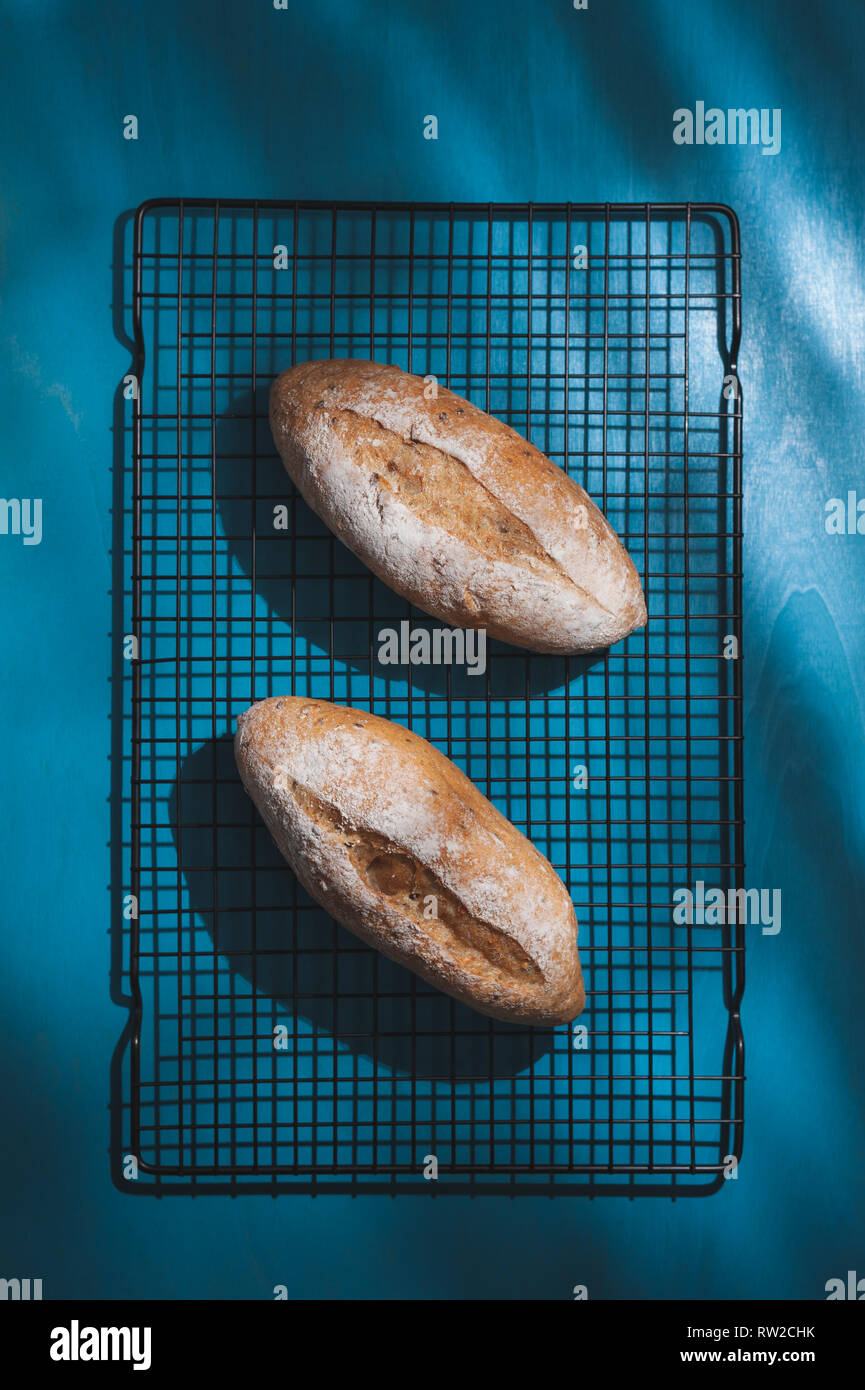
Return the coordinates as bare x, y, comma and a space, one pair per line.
398, 845
453, 509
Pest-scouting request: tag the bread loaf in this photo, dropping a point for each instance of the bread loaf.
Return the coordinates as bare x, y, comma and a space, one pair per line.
400, 847
453, 509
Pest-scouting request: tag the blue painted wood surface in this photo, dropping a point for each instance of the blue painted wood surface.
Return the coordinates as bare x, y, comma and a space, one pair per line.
534, 101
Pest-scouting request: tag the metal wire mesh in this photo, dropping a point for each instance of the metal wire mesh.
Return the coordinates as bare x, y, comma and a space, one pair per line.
268, 1044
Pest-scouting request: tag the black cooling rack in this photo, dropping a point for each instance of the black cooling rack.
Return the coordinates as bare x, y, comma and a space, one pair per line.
268, 1048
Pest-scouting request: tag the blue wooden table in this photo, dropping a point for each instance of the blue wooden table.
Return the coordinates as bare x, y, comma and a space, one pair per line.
533, 102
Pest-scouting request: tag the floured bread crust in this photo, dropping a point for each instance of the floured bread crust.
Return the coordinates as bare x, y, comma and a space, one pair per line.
400, 847
453, 509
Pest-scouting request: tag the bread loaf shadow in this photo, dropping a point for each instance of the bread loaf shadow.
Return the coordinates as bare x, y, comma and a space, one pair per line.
293, 567
317, 976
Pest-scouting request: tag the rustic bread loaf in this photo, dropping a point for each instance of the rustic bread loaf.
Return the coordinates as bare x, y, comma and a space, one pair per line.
398, 845
453, 509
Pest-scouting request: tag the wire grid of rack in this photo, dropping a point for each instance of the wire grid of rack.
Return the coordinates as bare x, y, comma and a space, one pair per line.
268, 1045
